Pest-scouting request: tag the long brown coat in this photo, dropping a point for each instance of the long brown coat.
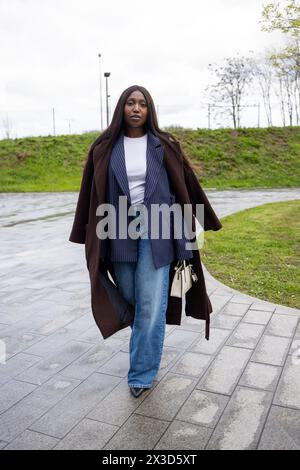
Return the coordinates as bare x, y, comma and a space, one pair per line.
92, 193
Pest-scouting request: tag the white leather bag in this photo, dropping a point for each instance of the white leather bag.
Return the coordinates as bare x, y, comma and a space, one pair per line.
183, 279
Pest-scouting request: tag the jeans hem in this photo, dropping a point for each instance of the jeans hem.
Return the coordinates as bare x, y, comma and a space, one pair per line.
139, 386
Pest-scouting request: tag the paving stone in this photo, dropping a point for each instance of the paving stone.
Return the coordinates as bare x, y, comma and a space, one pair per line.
118, 365
192, 364
191, 324
12, 392
93, 359
219, 302
287, 310
297, 332
74, 299
47, 367
240, 426
11, 313
125, 347
3, 327
91, 335
123, 334
288, 390
223, 290
184, 436
83, 323
18, 296
167, 397
4, 379
295, 349
241, 299
30, 440
282, 325
282, 431
227, 322
266, 307
271, 350
225, 371
46, 323
19, 342
19, 417
50, 344
9, 283
87, 435
62, 417
261, 376
20, 313
28, 325
59, 321
17, 364
118, 405
181, 339
169, 357
203, 408
217, 338
246, 335
235, 309
169, 329
139, 432
257, 316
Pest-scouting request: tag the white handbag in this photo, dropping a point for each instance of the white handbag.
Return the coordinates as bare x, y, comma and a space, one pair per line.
183, 279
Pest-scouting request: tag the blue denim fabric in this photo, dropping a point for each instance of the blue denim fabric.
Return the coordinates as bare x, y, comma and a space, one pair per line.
147, 289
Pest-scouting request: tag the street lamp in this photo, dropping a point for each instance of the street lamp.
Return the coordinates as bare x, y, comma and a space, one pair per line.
106, 75
100, 78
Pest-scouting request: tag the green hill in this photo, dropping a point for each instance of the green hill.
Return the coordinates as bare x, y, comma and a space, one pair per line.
222, 158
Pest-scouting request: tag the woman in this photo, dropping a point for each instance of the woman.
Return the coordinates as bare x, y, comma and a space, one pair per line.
133, 163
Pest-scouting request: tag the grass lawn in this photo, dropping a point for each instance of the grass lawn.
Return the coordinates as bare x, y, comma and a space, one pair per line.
222, 159
258, 252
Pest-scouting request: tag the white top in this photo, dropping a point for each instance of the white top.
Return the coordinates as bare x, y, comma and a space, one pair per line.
136, 165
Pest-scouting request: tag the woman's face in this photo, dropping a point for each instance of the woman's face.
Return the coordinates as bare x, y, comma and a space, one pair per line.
135, 110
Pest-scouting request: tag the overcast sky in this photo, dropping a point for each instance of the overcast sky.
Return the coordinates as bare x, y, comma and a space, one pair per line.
49, 58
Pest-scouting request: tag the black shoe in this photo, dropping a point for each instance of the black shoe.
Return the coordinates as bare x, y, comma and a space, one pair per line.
137, 391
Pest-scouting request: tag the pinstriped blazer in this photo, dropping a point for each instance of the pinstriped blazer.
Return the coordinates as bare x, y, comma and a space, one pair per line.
157, 191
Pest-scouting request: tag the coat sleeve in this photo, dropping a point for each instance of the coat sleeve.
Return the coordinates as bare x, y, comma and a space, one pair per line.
198, 196
83, 204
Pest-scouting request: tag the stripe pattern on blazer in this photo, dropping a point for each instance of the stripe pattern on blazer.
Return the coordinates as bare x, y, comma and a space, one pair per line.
157, 191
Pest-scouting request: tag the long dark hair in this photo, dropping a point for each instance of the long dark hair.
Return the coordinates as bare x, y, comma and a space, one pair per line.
112, 132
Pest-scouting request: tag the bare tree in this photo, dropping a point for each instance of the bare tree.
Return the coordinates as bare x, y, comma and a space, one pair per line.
286, 18
263, 71
233, 80
280, 95
292, 53
7, 126
287, 72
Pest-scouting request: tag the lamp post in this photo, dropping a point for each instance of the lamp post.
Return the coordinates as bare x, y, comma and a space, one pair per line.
100, 78
53, 118
106, 75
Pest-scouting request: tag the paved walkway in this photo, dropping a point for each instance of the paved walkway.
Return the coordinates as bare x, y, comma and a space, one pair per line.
64, 387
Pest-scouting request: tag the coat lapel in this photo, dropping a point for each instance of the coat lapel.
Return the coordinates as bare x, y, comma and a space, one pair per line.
154, 157
118, 165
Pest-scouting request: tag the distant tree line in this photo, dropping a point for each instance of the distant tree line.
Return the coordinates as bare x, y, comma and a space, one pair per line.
276, 72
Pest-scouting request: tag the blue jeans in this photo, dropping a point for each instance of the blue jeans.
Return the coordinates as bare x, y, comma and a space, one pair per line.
147, 289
